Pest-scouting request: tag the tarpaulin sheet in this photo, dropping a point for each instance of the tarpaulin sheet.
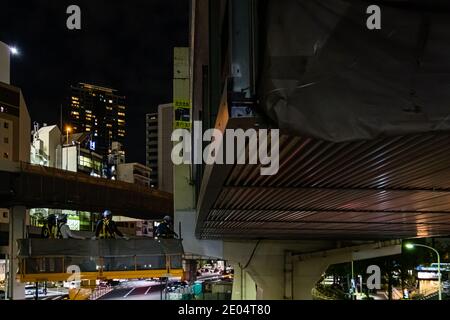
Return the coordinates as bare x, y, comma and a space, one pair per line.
325, 75
54, 256
98, 248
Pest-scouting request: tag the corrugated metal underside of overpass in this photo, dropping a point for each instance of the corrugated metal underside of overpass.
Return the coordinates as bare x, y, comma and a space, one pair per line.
396, 187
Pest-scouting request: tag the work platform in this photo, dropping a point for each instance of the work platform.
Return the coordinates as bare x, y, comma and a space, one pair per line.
59, 260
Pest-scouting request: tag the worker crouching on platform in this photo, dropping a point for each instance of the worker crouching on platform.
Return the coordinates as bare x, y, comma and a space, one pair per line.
107, 229
165, 230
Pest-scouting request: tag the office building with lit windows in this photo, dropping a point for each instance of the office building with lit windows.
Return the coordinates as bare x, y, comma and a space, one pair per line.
99, 111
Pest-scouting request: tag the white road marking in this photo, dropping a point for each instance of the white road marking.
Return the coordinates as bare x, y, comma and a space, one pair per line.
129, 293
147, 291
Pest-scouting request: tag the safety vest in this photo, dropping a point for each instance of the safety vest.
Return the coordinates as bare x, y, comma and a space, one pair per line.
105, 232
58, 234
50, 232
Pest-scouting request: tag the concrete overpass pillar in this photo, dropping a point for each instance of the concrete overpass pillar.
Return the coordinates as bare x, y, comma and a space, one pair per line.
17, 230
279, 270
244, 287
268, 270
306, 275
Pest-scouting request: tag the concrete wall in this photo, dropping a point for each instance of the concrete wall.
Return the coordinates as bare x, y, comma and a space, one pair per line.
24, 131
165, 165
51, 137
6, 132
191, 245
125, 172
4, 214
4, 63
70, 158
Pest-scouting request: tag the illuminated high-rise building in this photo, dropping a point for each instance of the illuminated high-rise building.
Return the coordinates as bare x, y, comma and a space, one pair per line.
99, 111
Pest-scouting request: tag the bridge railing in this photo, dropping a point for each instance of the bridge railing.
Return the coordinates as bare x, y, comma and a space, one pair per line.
49, 259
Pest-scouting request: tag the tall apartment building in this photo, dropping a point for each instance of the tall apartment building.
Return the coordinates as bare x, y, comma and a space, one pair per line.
165, 144
159, 147
99, 111
152, 147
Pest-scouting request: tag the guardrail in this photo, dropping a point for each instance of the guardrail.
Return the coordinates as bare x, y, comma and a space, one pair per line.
57, 260
100, 292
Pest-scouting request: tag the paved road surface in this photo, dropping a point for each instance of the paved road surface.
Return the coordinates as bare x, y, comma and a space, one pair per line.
142, 292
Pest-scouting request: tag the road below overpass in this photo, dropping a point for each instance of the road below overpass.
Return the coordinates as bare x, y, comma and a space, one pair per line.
136, 290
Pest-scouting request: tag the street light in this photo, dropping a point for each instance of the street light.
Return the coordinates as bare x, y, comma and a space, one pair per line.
68, 130
14, 51
411, 246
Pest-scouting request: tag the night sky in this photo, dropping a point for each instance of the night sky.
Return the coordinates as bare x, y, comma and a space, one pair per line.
126, 45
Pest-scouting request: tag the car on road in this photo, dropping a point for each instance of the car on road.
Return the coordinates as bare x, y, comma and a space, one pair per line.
446, 286
173, 286
31, 290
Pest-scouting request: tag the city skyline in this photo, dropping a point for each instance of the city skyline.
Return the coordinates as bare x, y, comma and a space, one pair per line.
130, 55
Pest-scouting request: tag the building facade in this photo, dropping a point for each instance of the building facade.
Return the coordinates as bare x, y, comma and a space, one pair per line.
77, 156
135, 173
116, 156
97, 110
165, 165
15, 129
159, 147
15, 125
151, 154
4, 63
46, 146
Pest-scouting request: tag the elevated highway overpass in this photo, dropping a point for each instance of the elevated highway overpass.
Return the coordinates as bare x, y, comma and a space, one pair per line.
23, 184
389, 188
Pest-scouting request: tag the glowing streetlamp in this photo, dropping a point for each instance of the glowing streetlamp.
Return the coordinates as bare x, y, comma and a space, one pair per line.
68, 130
411, 246
14, 51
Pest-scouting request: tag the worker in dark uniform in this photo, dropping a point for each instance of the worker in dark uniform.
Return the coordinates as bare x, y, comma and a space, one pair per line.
50, 227
165, 230
107, 229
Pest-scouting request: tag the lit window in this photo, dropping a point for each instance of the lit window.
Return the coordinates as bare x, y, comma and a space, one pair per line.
85, 162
